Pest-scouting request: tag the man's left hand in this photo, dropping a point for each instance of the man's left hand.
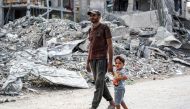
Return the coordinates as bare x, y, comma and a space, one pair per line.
110, 68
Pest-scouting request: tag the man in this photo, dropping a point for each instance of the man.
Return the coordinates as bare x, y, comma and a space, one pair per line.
98, 62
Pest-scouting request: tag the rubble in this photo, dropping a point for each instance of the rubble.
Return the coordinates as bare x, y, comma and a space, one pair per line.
12, 86
26, 37
165, 38
55, 51
141, 20
147, 32
181, 61
6, 100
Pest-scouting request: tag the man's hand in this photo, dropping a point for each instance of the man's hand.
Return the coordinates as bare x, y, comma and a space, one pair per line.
110, 67
110, 54
88, 67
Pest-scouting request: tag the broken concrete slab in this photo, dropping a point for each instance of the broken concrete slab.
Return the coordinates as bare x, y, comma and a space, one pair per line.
181, 61
64, 49
6, 100
165, 38
134, 44
35, 62
12, 86
119, 31
141, 19
147, 32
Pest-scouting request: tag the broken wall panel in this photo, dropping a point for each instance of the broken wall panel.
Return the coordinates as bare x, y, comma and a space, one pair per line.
98, 5
142, 20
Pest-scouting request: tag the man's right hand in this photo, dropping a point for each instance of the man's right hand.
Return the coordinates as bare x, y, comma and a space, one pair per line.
88, 67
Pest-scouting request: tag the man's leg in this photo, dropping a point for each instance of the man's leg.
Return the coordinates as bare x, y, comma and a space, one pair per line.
107, 95
93, 68
100, 71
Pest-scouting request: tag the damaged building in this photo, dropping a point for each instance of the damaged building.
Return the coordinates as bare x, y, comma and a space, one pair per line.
76, 9
14, 9
181, 7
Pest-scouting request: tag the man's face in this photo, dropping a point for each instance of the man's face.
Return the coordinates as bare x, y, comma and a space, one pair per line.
94, 18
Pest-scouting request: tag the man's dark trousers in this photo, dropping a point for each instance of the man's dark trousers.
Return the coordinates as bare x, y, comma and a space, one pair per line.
99, 69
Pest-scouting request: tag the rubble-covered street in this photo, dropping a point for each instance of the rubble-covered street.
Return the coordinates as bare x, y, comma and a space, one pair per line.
46, 58
52, 53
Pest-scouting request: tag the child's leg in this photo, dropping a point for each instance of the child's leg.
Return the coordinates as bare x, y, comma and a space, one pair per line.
119, 93
124, 105
117, 106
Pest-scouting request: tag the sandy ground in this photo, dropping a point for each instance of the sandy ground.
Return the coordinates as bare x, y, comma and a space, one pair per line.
173, 93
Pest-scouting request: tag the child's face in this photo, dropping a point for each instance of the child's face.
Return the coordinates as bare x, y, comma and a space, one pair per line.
118, 64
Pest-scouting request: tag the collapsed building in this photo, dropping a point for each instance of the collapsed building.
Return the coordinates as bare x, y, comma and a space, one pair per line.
14, 9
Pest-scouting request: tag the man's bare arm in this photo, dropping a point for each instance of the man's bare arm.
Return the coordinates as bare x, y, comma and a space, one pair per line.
110, 55
88, 61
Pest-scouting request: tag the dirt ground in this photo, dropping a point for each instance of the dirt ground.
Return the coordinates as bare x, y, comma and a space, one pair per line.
172, 93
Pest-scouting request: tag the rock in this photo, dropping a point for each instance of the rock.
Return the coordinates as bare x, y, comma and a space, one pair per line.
134, 45
165, 38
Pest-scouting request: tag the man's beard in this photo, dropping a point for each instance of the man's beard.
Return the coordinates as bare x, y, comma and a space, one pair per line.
94, 21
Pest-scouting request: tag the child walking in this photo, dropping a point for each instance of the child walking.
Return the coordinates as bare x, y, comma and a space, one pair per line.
119, 82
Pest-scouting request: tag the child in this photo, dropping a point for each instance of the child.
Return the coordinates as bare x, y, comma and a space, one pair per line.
119, 82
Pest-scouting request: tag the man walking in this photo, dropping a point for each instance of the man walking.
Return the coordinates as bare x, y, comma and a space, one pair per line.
100, 57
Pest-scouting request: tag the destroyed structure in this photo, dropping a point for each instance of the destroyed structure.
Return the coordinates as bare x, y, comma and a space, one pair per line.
34, 50
68, 9
76, 9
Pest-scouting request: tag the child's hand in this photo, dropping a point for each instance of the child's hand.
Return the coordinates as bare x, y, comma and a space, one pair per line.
115, 82
118, 77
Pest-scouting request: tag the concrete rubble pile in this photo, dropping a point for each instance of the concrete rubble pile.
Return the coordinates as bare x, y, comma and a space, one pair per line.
151, 50
33, 47
154, 56
55, 51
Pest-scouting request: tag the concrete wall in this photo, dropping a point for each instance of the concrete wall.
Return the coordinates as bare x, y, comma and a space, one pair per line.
84, 7
98, 4
130, 6
141, 20
1, 13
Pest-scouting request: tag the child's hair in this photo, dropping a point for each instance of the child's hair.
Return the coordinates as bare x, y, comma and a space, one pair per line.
120, 58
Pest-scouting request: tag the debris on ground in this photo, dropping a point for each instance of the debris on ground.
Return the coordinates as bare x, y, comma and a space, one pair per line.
6, 100
54, 51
